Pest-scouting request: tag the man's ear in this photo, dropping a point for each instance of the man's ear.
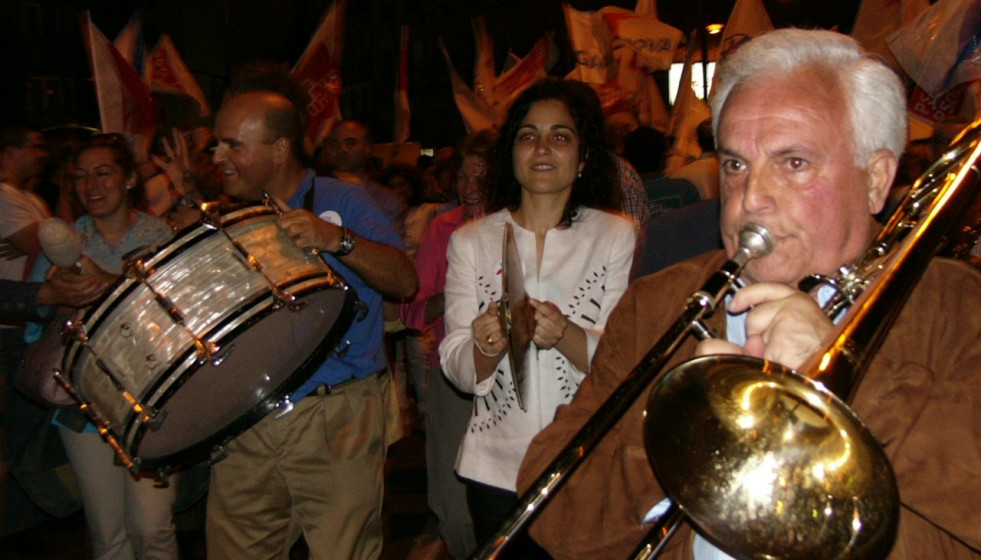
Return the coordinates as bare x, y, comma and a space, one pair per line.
879, 175
282, 148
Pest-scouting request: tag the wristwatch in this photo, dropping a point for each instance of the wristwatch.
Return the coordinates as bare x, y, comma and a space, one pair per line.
347, 243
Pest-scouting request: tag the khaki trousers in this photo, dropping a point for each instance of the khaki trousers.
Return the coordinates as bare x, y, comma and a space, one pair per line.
317, 470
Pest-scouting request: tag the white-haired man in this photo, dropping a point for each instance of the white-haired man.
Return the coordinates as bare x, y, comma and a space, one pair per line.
809, 133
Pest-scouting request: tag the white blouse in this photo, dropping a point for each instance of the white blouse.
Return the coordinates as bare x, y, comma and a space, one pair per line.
584, 271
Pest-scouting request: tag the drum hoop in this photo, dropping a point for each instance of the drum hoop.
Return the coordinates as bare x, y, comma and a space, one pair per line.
134, 429
175, 247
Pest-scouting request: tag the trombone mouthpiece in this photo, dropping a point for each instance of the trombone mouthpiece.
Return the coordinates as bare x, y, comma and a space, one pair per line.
755, 240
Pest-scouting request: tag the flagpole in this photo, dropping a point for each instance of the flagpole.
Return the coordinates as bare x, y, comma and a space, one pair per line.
704, 39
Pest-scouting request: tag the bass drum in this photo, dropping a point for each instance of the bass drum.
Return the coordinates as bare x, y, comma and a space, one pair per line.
199, 341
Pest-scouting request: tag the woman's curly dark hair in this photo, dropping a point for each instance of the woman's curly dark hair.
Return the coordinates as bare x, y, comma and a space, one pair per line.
598, 185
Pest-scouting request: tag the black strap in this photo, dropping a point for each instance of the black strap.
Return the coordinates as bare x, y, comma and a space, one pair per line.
308, 198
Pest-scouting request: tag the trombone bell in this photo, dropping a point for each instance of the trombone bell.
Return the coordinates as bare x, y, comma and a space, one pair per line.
768, 463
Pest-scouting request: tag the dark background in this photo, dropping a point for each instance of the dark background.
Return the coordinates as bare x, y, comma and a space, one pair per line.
49, 80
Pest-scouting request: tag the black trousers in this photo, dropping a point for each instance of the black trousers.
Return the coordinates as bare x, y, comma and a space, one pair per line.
489, 506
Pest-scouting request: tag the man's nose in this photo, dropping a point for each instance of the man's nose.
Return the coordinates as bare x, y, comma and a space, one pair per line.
757, 194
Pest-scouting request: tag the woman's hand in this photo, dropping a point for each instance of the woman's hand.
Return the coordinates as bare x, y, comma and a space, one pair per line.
550, 324
488, 335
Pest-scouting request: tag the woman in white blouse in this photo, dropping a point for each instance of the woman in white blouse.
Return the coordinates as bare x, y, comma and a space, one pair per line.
554, 180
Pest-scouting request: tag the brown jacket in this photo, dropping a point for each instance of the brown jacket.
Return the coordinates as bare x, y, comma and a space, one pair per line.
921, 398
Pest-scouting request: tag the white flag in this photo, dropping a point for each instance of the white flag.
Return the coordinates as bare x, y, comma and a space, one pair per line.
592, 57
877, 19
747, 20
942, 47
476, 114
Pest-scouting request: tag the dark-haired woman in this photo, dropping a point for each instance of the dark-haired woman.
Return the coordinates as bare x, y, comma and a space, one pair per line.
128, 517
554, 180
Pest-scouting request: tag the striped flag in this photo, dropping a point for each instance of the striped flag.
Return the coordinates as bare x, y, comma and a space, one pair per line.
169, 74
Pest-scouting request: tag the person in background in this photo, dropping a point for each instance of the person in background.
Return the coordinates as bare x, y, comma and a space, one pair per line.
704, 171
644, 148
35, 301
440, 178
408, 184
809, 130
347, 156
403, 345
23, 153
446, 410
128, 516
554, 182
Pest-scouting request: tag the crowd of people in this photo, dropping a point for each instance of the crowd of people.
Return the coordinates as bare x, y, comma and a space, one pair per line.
807, 138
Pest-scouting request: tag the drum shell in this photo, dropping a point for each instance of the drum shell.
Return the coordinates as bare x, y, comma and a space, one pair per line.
204, 284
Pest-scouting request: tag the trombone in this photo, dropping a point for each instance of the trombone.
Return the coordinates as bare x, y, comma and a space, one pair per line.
831, 494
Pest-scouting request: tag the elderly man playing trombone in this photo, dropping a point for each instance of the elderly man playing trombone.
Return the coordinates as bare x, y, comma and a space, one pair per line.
809, 132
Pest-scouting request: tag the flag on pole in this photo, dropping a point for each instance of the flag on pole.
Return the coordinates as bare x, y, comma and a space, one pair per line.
646, 8
877, 19
592, 58
125, 105
169, 74
476, 114
528, 69
654, 41
130, 44
688, 112
510, 61
318, 72
941, 48
402, 113
925, 111
652, 111
747, 20
484, 67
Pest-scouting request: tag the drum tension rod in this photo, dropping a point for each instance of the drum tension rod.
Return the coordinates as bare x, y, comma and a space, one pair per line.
97, 420
206, 351
251, 263
78, 333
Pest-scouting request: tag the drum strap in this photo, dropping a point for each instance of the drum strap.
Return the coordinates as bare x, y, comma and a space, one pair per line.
308, 198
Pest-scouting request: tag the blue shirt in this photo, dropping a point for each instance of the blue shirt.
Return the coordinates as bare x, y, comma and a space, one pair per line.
349, 205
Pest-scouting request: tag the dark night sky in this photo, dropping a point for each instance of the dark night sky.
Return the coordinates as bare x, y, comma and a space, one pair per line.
214, 36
